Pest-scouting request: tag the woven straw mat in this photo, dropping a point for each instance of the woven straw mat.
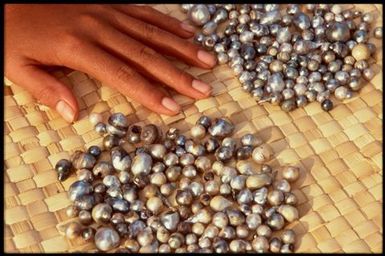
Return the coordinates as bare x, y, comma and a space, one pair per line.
339, 153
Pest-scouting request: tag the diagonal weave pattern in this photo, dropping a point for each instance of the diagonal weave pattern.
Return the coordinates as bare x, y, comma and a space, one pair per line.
340, 193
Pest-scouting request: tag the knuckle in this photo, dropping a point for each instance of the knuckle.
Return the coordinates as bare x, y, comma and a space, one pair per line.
124, 74
150, 31
147, 53
90, 21
72, 42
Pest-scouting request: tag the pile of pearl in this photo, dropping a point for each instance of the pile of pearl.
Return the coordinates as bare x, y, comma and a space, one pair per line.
290, 55
147, 192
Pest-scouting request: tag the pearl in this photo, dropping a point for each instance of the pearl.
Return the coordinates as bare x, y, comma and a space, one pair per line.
361, 52
106, 239
338, 32
327, 105
377, 32
95, 118
199, 14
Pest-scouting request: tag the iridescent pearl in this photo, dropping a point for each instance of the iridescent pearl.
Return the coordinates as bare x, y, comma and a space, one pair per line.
199, 14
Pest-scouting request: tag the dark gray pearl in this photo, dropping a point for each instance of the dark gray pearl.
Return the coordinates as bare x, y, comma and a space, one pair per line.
355, 84
288, 93
340, 49
283, 35
248, 86
85, 202
302, 21
361, 36
361, 64
205, 121
229, 30
342, 77
250, 65
261, 49
276, 98
223, 58
199, 37
332, 84
276, 82
209, 28
286, 20
100, 128
303, 46
300, 88
81, 160
257, 93
95, 151
293, 9
224, 153
244, 152
221, 128
367, 17
311, 95
301, 101
212, 8
317, 21
220, 15
248, 52
274, 28
270, 17
242, 28
246, 36
334, 66
266, 40
288, 105
327, 105
110, 141
63, 168
118, 120
363, 26
350, 44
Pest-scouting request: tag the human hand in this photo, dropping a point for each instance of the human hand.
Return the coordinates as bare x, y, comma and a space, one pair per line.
117, 44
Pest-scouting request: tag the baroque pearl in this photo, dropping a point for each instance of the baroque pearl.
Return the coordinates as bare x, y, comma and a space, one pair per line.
199, 14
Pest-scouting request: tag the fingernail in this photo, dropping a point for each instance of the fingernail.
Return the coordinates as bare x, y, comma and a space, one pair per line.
187, 27
207, 58
65, 111
201, 86
170, 104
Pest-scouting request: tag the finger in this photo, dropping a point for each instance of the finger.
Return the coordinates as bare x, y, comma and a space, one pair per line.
48, 90
153, 63
156, 18
107, 68
163, 40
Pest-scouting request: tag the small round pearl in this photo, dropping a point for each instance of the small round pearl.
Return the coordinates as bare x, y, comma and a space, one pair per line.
378, 32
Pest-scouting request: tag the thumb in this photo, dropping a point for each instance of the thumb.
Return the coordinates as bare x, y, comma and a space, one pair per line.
49, 91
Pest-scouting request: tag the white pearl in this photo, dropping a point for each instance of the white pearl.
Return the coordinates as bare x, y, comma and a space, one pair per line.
95, 118
199, 14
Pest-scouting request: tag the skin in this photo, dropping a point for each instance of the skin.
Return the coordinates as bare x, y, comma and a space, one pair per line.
121, 45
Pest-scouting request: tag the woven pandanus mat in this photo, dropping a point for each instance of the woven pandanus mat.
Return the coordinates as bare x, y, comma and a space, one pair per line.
339, 152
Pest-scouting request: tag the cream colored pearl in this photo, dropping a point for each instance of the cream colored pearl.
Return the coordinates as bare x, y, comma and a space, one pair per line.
95, 118
361, 52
